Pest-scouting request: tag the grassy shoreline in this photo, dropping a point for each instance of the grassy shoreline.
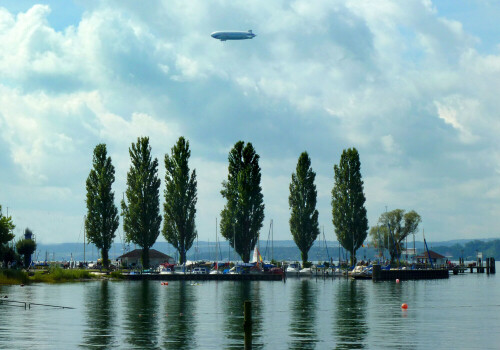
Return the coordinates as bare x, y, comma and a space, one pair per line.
52, 275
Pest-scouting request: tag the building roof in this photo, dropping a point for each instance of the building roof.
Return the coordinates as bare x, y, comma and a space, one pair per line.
433, 255
153, 254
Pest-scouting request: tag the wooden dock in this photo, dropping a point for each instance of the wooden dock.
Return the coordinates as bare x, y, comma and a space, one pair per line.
418, 274
204, 277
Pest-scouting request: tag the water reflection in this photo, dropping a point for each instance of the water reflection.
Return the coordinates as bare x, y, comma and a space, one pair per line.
303, 315
99, 309
234, 297
141, 314
179, 317
350, 326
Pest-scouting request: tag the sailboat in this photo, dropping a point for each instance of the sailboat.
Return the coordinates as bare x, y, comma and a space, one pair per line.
257, 261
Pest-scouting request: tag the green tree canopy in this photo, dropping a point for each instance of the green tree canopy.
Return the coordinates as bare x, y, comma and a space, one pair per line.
401, 225
243, 214
6, 235
6, 228
180, 199
26, 247
102, 219
302, 202
348, 203
141, 210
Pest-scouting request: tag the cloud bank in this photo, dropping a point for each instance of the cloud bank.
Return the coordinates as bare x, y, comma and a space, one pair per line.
404, 83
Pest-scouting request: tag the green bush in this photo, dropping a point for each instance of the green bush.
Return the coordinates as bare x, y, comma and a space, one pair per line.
117, 274
13, 276
57, 274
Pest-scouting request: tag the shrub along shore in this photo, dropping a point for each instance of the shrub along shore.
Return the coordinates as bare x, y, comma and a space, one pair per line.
52, 275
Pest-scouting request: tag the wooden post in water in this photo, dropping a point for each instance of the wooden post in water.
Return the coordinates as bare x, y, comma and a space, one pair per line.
488, 266
247, 324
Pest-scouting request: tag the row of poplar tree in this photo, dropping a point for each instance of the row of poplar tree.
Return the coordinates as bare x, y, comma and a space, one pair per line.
243, 214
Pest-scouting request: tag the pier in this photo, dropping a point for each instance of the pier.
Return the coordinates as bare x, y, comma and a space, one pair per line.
418, 274
204, 277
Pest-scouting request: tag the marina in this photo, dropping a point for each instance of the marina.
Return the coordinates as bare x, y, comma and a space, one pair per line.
303, 313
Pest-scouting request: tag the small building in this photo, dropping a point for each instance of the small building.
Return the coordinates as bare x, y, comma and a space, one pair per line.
436, 258
133, 258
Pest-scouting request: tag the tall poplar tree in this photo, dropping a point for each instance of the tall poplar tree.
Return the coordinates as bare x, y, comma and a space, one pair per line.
141, 211
348, 203
302, 201
180, 199
243, 214
102, 215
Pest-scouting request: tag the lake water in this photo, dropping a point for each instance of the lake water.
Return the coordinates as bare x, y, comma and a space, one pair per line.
462, 312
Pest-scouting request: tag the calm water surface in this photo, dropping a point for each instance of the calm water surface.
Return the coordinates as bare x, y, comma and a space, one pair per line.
462, 312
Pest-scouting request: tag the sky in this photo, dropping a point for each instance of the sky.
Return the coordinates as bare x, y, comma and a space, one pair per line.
412, 85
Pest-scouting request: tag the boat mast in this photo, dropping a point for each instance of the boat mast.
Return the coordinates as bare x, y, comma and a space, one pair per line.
216, 242
272, 240
84, 234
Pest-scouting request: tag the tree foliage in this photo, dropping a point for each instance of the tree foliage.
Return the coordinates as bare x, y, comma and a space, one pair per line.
141, 210
6, 235
302, 201
102, 219
6, 228
401, 225
180, 199
243, 214
348, 202
26, 247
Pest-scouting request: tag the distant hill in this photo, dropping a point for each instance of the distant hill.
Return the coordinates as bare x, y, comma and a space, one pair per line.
279, 250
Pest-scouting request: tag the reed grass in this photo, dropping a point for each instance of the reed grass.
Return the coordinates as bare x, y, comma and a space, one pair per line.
57, 274
117, 274
11, 276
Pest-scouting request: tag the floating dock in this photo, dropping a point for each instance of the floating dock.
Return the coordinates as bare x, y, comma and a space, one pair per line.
204, 277
418, 274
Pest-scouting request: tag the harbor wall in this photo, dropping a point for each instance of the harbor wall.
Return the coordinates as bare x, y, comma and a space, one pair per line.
388, 275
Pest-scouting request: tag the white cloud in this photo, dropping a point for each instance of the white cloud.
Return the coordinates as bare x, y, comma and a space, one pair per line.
403, 83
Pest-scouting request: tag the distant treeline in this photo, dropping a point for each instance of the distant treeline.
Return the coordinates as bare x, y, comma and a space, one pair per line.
283, 250
469, 251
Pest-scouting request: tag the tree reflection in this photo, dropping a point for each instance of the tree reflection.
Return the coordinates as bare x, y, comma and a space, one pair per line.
141, 314
178, 318
234, 296
350, 326
303, 315
99, 315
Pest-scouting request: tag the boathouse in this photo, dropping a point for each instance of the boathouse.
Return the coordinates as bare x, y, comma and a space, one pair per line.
133, 258
436, 258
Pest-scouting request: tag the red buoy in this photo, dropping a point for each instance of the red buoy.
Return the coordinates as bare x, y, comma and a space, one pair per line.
404, 306
397, 280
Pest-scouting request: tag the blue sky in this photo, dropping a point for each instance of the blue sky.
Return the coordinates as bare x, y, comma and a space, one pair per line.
412, 85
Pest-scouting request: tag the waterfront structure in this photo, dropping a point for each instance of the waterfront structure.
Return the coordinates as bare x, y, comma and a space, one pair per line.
436, 258
133, 258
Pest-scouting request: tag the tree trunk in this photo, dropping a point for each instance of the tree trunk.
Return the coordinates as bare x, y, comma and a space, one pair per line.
105, 258
182, 256
245, 256
304, 256
145, 258
27, 260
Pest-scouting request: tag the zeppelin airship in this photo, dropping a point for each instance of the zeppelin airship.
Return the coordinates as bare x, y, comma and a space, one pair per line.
233, 35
